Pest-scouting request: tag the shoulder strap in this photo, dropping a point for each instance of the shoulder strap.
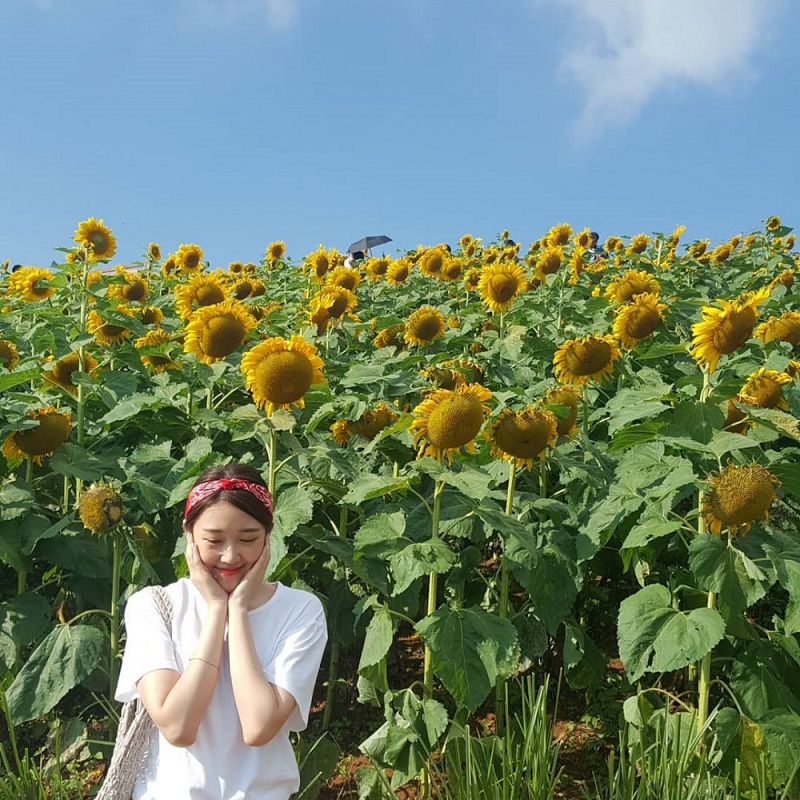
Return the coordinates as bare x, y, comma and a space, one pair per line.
163, 602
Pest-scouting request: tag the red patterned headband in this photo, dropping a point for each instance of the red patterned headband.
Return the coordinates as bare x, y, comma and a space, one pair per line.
203, 490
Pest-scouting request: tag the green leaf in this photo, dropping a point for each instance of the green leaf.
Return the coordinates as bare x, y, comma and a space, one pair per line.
368, 487
23, 619
470, 481
16, 499
584, 664
655, 637
378, 639
722, 568
75, 461
470, 649
293, 507
12, 379
788, 473
765, 680
419, 559
67, 656
697, 420
650, 526
727, 442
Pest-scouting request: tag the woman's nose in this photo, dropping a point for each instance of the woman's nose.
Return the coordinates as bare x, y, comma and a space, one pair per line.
230, 554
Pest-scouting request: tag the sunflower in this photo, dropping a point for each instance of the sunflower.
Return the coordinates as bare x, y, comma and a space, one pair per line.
623, 288
466, 239
156, 339
500, 283
9, 356
785, 328
133, 290
559, 235
275, 251
31, 283
451, 271
189, 258
472, 279
249, 268
149, 315
235, 268
278, 373
336, 300
582, 239
367, 426
204, 289
96, 238
443, 378
674, 238
723, 330
52, 430
424, 326
169, 265
773, 223
735, 419
564, 396
432, 261
721, 253
471, 248
257, 288
638, 319
548, 262
448, 420
399, 271
61, 372
214, 332
105, 332
639, 243
391, 337
785, 278
614, 244
738, 496
242, 289
377, 268
579, 360
764, 388
346, 277
100, 508
521, 436
577, 264
154, 252
318, 263
697, 249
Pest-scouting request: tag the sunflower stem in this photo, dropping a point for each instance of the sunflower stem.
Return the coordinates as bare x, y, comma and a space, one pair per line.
500, 721
65, 501
585, 418
22, 575
116, 561
427, 672
704, 677
209, 398
81, 400
273, 460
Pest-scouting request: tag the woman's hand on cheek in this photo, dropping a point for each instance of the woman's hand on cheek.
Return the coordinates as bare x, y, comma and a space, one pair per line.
248, 594
201, 576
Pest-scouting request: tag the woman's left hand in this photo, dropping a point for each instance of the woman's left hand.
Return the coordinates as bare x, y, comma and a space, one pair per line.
250, 592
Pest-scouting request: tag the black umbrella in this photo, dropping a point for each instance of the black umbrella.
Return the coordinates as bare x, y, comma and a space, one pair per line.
367, 243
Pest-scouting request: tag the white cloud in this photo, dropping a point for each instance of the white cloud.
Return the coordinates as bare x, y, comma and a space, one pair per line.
625, 51
275, 13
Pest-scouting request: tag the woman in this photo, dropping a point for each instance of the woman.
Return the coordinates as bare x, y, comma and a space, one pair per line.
235, 672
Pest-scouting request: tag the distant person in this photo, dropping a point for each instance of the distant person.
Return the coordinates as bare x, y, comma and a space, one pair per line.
595, 250
358, 255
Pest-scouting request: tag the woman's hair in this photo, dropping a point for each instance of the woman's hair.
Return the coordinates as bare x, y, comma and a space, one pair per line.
241, 498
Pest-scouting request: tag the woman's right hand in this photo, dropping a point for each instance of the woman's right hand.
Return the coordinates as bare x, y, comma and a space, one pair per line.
201, 576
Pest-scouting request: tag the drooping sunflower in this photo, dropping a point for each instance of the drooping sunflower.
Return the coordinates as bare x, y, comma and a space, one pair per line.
448, 420
548, 262
242, 289
638, 319
149, 315
764, 388
367, 426
582, 238
336, 300
639, 243
624, 287
785, 278
156, 339
432, 261
278, 373
100, 508
721, 253
169, 266
52, 430
737, 496
588, 357
443, 378
451, 271
724, 330
154, 252
399, 271
567, 396
521, 436
257, 288
785, 328
61, 372
377, 268
189, 258
275, 251
698, 248
31, 283
500, 283
204, 289
471, 248
424, 326
559, 235
214, 332
346, 277
96, 238
773, 223
133, 290
472, 279
391, 336
106, 332
674, 238
577, 263
9, 355
318, 263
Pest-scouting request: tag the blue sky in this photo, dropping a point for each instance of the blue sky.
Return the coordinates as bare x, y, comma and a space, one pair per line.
233, 123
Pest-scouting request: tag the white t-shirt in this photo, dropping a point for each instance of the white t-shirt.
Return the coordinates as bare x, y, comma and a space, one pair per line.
289, 632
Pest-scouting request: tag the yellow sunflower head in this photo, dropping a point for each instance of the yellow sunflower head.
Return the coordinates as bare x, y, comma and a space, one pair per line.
582, 239
156, 342
738, 496
96, 238
773, 224
443, 378
336, 300
698, 248
451, 271
521, 436
105, 332
169, 266
785, 328
367, 426
9, 355
392, 336
318, 263
52, 430
639, 243
448, 420
31, 283
61, 372
154, 252
149, 315
548, 262
189, 258
214, 332
559, 235
614, 244
566, 396
721, 253
638, 319
399, 271
129, 287
589, 357
785, 278
203, 289
235, 268
278, 373
623, 288
424, 326
472, 279
500, 283
764, 388
275, 251
257, 288
432, 261
675, 237
346, 277
377, 268
100, 508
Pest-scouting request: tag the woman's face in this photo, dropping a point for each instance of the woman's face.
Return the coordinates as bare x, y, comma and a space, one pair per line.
229, 542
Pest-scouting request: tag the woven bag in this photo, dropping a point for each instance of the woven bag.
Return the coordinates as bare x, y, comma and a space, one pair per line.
133, 733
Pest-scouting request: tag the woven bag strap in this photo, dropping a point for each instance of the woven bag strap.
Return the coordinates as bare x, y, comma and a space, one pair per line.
163, 602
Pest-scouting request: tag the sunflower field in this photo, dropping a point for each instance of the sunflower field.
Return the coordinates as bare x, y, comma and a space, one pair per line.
488, 463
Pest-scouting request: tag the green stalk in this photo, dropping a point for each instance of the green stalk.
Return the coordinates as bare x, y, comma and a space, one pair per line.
114, 613
333, 665
499, 689
585, 419
81, 400
22, 575
273, 460
65, 501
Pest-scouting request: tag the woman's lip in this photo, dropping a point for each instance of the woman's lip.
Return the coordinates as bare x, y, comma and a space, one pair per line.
228, 571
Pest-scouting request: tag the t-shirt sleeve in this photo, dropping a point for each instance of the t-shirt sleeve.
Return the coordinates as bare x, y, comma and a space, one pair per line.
297, 662
149, 645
